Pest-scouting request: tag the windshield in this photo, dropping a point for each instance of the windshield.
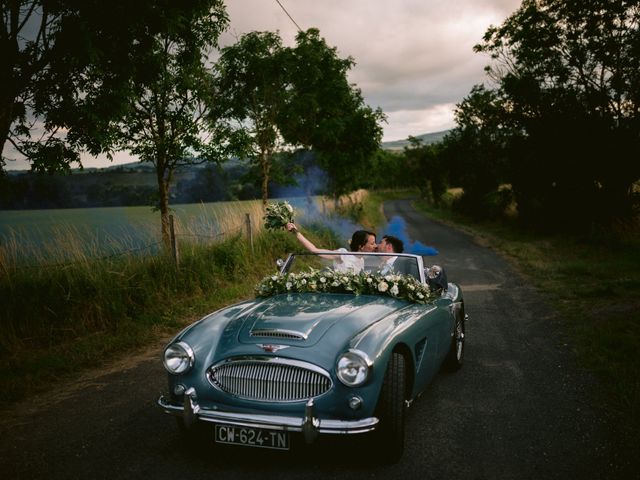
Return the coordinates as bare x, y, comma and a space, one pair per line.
355, 262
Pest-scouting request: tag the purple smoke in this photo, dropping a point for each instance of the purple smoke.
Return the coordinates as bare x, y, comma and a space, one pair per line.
308, 212
398, 228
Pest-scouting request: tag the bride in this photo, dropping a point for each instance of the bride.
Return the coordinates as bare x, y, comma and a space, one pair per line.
361, 241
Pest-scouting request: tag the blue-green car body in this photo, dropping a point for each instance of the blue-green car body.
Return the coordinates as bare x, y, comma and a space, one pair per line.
231, 353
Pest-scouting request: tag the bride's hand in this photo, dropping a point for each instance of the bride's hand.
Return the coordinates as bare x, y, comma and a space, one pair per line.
291, 227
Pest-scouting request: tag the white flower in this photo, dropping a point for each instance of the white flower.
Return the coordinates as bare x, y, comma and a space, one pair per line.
398, 286
277, 215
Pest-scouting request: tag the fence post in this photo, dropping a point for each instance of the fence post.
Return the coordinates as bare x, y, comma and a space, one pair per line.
249, 231
174, 242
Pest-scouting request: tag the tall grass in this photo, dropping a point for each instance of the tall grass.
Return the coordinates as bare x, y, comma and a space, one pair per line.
72, 307
203, 223
45, 237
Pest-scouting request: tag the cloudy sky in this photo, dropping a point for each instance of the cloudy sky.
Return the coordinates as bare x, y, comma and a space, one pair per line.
414, 58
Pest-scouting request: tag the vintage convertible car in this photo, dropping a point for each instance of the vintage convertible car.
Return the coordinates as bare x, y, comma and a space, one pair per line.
333, 344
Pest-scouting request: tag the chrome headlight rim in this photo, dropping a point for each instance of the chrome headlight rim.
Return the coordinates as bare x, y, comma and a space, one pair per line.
353, 359
183, 353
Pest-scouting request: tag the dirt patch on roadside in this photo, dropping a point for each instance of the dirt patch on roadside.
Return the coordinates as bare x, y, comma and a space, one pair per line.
14, 414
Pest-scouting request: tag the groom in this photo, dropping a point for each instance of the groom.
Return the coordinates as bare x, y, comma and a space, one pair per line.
389, 244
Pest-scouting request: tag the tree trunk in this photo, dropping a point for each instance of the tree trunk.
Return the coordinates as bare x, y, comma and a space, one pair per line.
265, 163
5, 126
7, 116
163, 190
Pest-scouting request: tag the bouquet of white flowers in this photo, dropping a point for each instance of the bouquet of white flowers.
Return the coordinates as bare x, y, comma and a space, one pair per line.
278, 215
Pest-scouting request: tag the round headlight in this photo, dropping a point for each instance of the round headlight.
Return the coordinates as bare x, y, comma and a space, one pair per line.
353, 368
178, 358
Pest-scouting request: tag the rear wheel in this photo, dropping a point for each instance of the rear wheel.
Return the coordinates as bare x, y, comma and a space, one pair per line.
391, 409
455, 357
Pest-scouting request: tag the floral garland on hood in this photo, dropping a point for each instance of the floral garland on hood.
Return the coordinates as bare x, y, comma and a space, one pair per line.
404, 287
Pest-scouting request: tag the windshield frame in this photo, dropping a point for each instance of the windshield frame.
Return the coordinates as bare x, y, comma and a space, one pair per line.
286, 267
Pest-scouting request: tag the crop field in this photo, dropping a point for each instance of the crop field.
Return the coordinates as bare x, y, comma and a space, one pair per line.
63, 235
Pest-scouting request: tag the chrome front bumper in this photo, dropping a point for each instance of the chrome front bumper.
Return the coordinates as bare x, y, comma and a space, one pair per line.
310, 426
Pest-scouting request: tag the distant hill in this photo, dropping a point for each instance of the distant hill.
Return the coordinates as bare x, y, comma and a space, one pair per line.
135, 183
426, 138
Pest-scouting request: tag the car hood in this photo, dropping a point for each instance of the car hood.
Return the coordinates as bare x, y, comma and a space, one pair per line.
302, 326
303, 319
299, 320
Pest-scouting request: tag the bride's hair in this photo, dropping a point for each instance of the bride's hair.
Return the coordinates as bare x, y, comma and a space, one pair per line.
358, 239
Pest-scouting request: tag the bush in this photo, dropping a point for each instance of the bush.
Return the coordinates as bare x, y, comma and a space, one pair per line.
488, 206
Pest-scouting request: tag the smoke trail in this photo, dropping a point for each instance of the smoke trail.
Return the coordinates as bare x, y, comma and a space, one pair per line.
344, 228
308, 212
398, 228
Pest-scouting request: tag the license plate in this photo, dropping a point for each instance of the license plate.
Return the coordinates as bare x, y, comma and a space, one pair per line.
252, 437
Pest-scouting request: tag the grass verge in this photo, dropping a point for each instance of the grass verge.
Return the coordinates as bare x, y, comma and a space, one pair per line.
61, 319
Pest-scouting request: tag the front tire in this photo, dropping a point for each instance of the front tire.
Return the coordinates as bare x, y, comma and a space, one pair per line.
391, 410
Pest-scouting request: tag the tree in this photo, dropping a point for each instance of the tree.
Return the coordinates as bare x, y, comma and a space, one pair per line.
166, 119
252, 90
65, 68
474, 153
424, 168
278, 97
327, 114
568, 73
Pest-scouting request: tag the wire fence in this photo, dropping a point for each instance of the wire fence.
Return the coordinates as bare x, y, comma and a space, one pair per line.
154, 247
84, 260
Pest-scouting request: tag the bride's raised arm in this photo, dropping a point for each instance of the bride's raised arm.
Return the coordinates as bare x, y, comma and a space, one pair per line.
308, 244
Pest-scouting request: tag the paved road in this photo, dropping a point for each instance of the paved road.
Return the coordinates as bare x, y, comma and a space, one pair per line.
518, 409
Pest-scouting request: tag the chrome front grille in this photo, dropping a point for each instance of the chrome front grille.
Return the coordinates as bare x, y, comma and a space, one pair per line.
270, 379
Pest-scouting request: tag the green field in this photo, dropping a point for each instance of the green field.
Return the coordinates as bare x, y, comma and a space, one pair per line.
61, 235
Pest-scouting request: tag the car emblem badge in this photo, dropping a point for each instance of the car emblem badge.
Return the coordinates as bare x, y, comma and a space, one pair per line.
271, 348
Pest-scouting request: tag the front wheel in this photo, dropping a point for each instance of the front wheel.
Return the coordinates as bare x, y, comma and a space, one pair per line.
391, 408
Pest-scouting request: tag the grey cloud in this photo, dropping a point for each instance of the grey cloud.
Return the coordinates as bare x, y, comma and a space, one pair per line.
410, 54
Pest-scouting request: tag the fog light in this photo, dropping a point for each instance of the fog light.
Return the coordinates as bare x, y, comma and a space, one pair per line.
179, 390
355, 402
